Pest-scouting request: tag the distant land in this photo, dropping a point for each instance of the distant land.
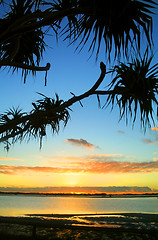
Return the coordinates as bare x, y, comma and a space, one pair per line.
87, 195
81, 190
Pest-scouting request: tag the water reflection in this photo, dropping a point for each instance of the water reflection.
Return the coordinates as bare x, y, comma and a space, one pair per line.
19, 205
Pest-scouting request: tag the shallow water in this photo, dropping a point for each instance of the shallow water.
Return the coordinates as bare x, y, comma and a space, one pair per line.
15, 205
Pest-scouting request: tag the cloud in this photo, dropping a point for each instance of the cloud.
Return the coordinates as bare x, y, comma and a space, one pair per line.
155, 128
81, 142
85, 166
155, 159
10, 159
129, 157
92, 190
91, 157
120, 132
11, 170
149, 141
105, 157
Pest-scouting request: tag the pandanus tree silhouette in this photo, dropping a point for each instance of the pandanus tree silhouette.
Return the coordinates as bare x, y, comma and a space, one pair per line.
117, 24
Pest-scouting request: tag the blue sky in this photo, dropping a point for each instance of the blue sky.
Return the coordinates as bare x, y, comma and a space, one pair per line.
110, 140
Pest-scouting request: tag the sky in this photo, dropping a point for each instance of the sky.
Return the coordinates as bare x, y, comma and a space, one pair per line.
94, 150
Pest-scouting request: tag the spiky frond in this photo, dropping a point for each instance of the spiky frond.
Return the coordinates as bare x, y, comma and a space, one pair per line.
24, 48
118, 23
47, 111
135, 89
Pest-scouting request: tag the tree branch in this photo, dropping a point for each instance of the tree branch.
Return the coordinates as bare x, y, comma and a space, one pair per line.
24, 66
35, 21
31, 118
90, 91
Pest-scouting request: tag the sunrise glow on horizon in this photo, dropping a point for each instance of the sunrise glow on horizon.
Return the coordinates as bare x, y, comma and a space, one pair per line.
94, 150
93, 170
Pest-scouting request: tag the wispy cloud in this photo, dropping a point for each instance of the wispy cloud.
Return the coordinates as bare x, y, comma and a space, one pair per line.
10, 159
155, 159
91, 157
149, 141
105, 157
153, 140
120, 132
155, 128
86, 166
129, 157
81, 142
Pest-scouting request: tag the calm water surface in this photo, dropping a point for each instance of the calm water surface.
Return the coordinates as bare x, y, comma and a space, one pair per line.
19, 205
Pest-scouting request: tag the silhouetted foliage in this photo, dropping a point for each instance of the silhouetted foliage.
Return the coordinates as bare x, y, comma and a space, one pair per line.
116, 25
138, 84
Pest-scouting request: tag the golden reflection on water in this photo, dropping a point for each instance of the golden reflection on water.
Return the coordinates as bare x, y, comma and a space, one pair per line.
14, 206
21, 205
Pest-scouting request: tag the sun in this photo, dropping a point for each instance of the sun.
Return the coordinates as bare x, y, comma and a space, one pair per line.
73, 183
72, 180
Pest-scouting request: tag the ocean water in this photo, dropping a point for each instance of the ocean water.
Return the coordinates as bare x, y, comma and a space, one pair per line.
19, 205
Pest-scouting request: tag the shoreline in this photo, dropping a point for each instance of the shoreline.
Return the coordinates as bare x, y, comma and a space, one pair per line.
82, 195
81, 226
95, 219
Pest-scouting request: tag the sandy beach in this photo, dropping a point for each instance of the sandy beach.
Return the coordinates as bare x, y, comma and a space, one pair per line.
92, 226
